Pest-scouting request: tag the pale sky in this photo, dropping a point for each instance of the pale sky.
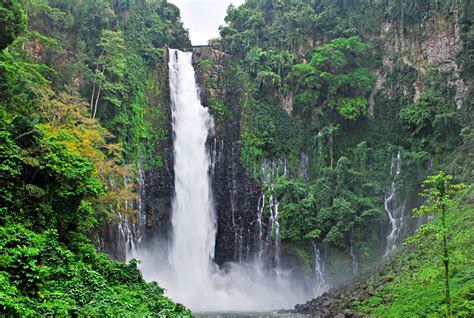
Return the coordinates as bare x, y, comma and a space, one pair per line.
203, 17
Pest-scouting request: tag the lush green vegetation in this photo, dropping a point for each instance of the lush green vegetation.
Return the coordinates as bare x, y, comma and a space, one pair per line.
415, 284
40, 276
115, 51
62, 170
83, 101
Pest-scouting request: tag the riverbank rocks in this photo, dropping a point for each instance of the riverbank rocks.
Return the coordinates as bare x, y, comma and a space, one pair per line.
330, 304
347, 300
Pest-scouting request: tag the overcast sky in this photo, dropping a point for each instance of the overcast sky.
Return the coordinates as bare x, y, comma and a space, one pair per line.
203, 17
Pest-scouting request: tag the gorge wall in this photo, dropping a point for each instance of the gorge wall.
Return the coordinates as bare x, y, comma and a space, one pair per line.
324, 125
411, 59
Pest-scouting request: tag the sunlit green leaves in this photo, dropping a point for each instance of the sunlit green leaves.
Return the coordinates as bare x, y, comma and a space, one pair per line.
352, 108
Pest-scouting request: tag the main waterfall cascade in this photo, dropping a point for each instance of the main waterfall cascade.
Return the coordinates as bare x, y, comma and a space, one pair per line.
184, 266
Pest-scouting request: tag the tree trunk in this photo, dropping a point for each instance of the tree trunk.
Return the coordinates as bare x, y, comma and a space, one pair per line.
96, 102
98, 95
95, 80
446, 263
331, 155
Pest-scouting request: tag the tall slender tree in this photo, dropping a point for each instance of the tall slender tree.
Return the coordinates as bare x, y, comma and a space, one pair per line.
440, 189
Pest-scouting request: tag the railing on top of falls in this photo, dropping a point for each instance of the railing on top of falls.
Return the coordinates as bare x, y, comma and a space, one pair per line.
204, 46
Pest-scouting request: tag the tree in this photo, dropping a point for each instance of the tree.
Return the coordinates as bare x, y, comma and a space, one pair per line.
110, 70
12, 22
440, 190
432, 116
330, 131
337, 77
352, 108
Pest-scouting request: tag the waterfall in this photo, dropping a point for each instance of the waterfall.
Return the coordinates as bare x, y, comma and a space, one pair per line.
260, 209
393, 207
275, 228
270, 172
190, 276
320, 285
131, 231
193, 218
303, 169
354, 264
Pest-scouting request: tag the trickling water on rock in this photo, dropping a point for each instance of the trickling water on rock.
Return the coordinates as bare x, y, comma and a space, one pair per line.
354, 263
269, 175
393, 207
320, 285
131, 230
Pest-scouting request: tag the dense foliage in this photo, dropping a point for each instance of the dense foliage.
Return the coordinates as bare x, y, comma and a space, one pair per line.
40, 276
12, 21
62, 173
115, 51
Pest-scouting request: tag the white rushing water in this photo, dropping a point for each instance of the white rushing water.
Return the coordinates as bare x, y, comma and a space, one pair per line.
190, 275
320, 285
393, 207
193, 218
354, 263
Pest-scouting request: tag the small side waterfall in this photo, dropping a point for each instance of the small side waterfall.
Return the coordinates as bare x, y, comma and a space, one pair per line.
270, 172
354, 263
304, 164
393, 207
275, 228
131, 229
320, 285
260, 209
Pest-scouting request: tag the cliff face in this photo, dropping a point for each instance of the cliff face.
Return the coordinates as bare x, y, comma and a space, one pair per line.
235, 194
411, 59
431, 45
121, 237
159, 181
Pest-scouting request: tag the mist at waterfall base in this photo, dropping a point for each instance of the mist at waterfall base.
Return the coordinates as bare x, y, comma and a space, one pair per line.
184, 266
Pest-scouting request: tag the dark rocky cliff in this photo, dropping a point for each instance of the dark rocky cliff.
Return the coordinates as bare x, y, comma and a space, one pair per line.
235, 194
